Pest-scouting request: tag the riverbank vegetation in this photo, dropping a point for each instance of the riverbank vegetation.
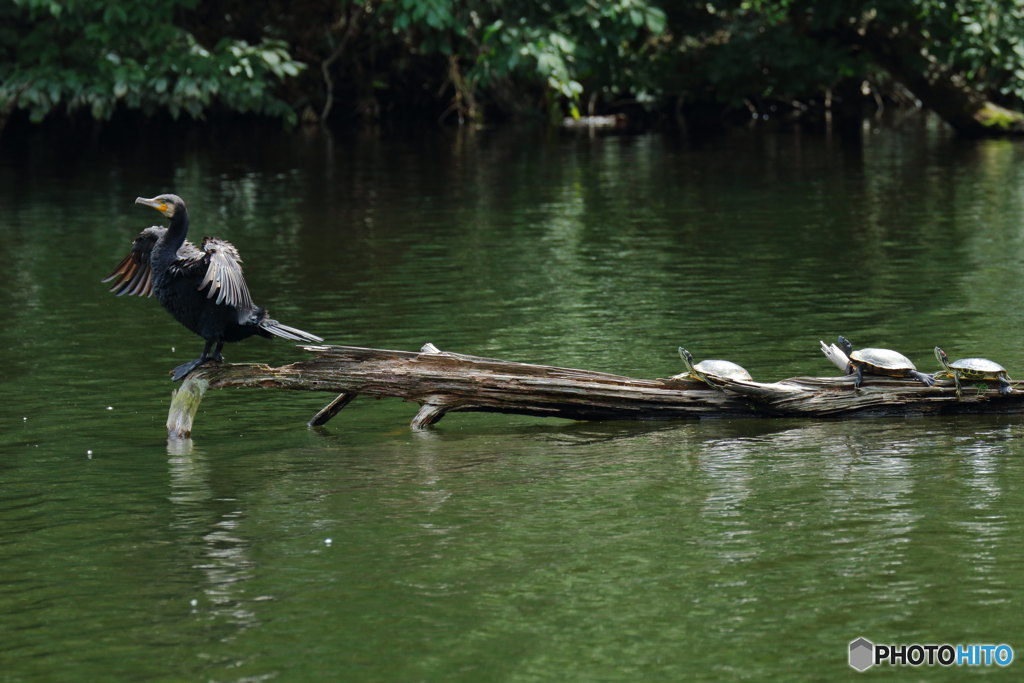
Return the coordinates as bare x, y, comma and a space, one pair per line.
346, 62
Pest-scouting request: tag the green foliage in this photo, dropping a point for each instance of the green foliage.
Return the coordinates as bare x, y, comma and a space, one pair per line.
183, 57
981, 39
756, 50
984, 39
605, 47
565, 46
795, 49
99, 55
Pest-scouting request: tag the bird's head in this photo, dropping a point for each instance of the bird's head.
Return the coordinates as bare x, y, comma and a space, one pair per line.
167, 204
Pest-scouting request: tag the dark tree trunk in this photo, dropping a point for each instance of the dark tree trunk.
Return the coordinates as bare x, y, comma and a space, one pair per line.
947, 92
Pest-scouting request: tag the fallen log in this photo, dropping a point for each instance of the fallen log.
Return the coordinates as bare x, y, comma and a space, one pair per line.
878, 396
442, 382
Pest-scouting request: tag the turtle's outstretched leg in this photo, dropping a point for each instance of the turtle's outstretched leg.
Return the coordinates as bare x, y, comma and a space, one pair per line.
956, 380
925, 379
1004, 385
860, 376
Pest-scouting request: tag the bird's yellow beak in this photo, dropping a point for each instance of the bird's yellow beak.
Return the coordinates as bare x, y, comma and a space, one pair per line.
160, 206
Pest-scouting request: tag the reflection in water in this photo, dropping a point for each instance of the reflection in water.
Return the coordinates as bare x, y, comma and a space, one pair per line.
211, 537
179, 447
873, 505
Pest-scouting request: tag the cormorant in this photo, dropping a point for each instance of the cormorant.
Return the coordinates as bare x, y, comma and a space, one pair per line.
202, 288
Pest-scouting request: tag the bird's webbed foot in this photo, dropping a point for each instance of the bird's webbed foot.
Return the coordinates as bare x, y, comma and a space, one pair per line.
179, 372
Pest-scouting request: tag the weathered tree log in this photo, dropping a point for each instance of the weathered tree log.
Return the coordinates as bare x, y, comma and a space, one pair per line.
443, 382
878, 396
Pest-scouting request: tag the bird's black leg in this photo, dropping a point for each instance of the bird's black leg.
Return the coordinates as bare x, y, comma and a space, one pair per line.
217, 355
185, 368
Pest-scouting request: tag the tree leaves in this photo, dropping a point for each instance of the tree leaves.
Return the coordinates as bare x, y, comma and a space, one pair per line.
99, 55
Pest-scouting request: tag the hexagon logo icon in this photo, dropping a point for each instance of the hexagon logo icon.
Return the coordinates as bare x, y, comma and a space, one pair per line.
862, 654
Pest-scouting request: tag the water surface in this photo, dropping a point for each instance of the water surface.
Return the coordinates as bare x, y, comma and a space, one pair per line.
502, 547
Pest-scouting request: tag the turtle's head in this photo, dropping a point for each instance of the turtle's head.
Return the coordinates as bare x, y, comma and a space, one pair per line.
845, 344
941, 356
687, 358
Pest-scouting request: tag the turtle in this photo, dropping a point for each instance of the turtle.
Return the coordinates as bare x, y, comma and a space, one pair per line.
713, 369
880, 362
974, 369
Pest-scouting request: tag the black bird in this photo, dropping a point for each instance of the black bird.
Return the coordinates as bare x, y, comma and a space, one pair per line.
202, 288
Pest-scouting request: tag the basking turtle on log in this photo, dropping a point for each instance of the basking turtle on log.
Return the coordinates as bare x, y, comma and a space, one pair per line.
973, 369
872, 361
708, 371
203, 288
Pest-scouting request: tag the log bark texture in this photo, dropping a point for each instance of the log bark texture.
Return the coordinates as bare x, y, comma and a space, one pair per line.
877, 396
443, 382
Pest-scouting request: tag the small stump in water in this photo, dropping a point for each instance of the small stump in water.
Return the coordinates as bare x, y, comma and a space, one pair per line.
184, 405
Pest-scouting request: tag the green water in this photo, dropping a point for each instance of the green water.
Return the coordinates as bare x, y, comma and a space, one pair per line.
498, 547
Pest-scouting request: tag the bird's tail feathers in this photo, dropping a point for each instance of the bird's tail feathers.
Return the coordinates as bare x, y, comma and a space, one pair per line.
280, 330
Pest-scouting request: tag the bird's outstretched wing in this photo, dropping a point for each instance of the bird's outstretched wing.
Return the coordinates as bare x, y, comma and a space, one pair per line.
133, 275
224, 277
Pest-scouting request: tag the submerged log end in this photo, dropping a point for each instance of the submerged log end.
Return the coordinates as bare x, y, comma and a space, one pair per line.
997, 120
184, 405
430, 413
331, 409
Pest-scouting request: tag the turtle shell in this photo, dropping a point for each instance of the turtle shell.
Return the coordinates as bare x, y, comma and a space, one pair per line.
980, 366
883, 359
723, 368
